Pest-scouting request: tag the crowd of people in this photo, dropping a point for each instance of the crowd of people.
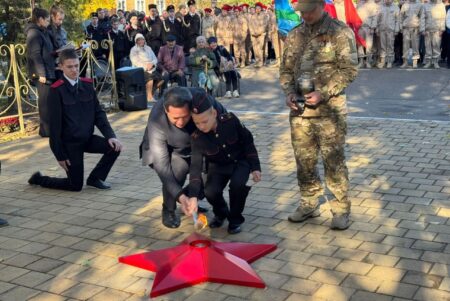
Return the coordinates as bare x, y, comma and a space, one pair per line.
205, 46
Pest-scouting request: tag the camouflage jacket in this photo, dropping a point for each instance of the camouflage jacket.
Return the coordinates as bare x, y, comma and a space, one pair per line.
327, 51
258, 24
433, 17
240, 28
208, 24
224, 29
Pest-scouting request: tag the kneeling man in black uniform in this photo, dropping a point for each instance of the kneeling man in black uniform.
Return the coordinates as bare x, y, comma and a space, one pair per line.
74, 111
231, 156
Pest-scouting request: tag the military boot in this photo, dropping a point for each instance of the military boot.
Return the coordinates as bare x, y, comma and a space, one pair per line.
340, 221
436, 63
303, 212
427, 64
414, 64
381, 63
389, 63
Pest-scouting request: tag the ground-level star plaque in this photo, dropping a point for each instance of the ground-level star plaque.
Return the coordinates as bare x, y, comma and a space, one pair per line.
199, 259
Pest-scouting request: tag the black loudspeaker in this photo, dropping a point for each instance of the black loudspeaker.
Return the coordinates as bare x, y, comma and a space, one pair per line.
131, 89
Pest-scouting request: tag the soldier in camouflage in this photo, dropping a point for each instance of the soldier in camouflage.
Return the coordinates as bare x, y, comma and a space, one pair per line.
258, 26
240, 31
323, 49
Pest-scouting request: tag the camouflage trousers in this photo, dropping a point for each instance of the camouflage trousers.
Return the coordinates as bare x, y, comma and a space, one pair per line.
324, 136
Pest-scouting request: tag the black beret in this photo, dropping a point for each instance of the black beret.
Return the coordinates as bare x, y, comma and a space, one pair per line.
151, 6
201, 101
94, 15
170, 7
191, 2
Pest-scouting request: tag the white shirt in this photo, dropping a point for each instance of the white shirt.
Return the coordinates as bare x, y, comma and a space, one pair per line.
71, 81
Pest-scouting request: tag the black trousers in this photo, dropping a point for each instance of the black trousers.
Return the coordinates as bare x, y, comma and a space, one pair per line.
174, 75
43, 91
180, 169
231, 80
75, 175
217, 178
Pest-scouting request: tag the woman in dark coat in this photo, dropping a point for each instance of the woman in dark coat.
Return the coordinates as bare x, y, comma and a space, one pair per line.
41, 63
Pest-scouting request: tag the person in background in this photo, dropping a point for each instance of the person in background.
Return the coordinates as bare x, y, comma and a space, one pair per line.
225, 67
203, 61
41, 63
153, 29
120, 41
133, 29
143, 56
171, 62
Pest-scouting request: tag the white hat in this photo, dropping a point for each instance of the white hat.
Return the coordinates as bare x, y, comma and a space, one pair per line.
138, 36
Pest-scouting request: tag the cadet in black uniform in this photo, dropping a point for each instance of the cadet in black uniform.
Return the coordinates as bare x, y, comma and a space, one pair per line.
191, 27
231, 156
172, 26
75, 111
153, 29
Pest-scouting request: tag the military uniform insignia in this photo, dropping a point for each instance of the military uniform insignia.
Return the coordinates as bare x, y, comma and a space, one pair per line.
195, 110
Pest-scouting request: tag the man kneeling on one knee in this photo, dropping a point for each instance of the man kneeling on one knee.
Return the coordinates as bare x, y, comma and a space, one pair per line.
74, 111
231, 155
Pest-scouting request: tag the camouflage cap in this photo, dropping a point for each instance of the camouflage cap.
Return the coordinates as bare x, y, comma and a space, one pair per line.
308, 5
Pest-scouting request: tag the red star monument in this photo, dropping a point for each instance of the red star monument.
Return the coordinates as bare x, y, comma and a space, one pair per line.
198, 259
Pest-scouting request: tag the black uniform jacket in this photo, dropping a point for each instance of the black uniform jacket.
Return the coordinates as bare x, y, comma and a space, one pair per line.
74, 112
162, 138
230, 143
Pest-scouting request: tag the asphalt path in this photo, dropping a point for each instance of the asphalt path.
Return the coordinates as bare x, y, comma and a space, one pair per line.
420, 94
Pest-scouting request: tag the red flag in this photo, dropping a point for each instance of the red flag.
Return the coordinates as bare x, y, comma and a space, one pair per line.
353, 20
330, 9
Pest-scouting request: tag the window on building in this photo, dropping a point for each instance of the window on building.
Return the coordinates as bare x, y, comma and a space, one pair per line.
140, 5
122, 4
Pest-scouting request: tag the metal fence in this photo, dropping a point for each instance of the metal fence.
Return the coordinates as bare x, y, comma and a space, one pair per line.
18, 95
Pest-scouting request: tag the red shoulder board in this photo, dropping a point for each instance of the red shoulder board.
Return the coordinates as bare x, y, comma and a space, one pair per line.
86, 80
58, 83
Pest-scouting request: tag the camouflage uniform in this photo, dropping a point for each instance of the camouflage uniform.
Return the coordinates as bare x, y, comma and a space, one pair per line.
240, 30
258, 25
208, 24
432, 25
410, 15
327, 50
273, 35
388, 27
368, 13
224, 31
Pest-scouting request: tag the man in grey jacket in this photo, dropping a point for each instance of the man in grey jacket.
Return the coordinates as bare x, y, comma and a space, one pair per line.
166, 146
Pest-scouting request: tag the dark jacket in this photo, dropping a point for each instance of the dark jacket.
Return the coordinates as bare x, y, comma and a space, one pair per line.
153, 33
75, 111
57, 35
175, 28
162, 138
218, 52
230, 143
192, 28
40, 52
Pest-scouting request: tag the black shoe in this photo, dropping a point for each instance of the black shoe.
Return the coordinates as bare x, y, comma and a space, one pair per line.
234, 228
217, 222
3, 223
35, 178
170, 220
97, 183
202, 209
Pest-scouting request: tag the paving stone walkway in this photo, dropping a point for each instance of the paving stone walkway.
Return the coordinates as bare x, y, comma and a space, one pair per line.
65, 245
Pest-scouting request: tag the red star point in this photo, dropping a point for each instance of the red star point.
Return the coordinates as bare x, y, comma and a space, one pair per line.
199, 259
